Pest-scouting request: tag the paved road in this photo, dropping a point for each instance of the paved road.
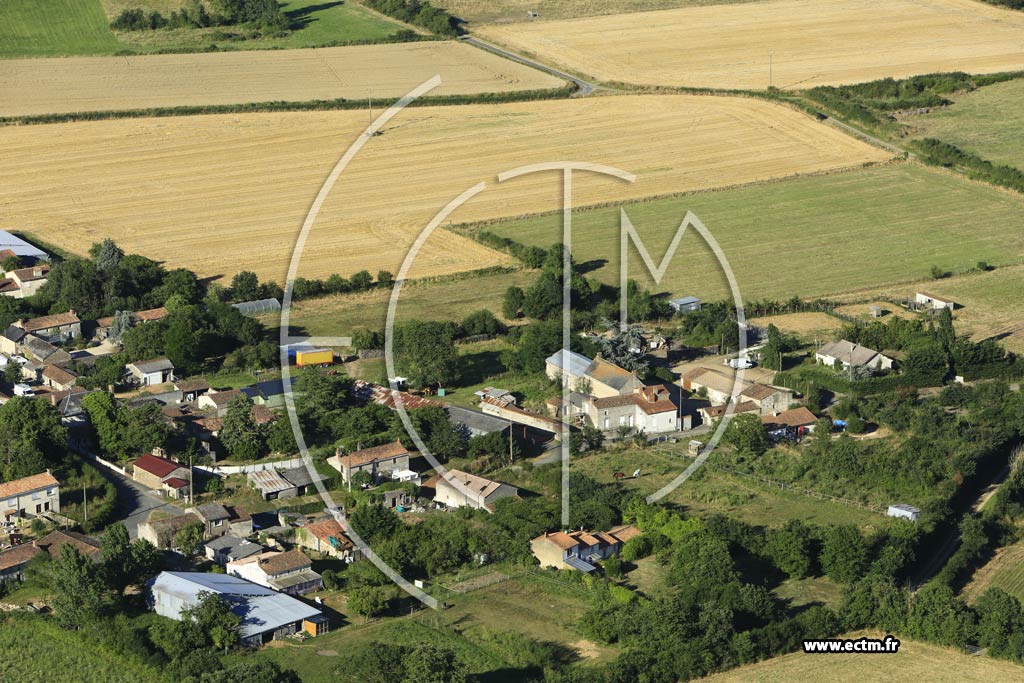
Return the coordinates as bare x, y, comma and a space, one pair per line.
584, 88
135, 501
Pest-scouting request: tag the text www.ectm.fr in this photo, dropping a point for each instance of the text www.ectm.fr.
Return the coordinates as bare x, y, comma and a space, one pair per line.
888, 645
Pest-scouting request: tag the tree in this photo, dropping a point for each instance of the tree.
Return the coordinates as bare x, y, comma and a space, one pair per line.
214, 617
385, 278
438, 432
80, 595
425, 353
844, 553
10, 263
245, 286
746, 433
122, 323
512, 303
239, 433
106, 255
32, 438
361, 281
429, 663
115, 546
367, 601
790, 548
144, 561
281, 438
12, 372
482, 322
1000, 617
188, 538
361, 479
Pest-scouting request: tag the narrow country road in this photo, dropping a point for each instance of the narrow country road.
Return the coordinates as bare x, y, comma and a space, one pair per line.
584, 88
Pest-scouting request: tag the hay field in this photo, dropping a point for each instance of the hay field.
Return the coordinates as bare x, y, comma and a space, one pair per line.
223, 193
987, 122
810, 236
914, 661
991, 302
813, 42
48, 86
812, 325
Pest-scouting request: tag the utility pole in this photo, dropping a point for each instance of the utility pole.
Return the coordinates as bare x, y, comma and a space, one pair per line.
85, 503
770, 56
511, 456
191, 479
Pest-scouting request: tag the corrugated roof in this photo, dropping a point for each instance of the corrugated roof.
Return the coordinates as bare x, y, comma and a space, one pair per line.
269, 481
153, 365
261, 609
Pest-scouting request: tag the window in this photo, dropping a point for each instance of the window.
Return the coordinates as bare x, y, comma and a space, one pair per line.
35, 495
219, 522
49, 492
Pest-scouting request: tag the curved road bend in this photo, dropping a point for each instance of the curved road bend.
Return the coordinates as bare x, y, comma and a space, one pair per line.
584, 88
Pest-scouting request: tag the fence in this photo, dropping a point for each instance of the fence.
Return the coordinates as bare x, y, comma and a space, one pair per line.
224, 470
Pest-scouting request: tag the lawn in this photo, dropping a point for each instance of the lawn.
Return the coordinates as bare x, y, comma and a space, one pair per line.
807, 236
36, 28
815, 590
56, 28
543, 609
914, 662
712, 491
987, 122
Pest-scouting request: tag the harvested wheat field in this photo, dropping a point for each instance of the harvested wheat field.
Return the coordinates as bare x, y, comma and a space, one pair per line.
1004, 571
194, 191
79, 84
811, 42
915, 661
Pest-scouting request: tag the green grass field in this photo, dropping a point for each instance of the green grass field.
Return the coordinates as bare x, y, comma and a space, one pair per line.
47, 28
54, 28
446, 299
712, 491
1005, 570
987, 122
806, 236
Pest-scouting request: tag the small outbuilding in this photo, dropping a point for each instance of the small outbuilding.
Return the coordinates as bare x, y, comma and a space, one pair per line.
903, 511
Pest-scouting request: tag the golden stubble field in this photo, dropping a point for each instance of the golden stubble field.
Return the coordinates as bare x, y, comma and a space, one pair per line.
79, 84
810, 42
223, 193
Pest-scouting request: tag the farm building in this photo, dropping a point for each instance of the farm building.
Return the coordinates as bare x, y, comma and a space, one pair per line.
580, 550
500, 395
218, 401
709, 414
608, 379
686, 304
160, 528
191, 389
258, 307
460, 489
20, 248
790, 423
288, 483
847, 353
903, 511
379, 461
269, 393
28, 497
58, 378
933, 301
289, 572
266, 614
149, 373
718, 386
475, 423
220, 520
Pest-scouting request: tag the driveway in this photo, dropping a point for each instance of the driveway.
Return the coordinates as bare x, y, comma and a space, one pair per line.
135, 501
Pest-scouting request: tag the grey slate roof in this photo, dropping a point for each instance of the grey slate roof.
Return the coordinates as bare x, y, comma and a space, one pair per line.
235, 548
475, 421
299, 476
261, 609
153, 365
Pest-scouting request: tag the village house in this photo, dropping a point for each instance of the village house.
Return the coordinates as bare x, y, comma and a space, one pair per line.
580, 550
160, 528
717, 386
14, 560
328, 537
218, 401
568, 368
379, 461
847, 353
269, 394
56, 328
265, 614
29, 497
42, 352
10, 340
768, 399
709, 414
289, 572
24, 282
648, 409
164, 476
103, 325
216, 519
58, 378
149, 373
228, 548
457, 489
608, 379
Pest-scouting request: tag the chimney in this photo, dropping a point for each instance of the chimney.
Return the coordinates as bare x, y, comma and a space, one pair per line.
37, 271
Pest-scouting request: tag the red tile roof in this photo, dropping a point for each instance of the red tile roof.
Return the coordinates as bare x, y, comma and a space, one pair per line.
47, 321
368, 455
155, 465
797, 417
328, 529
